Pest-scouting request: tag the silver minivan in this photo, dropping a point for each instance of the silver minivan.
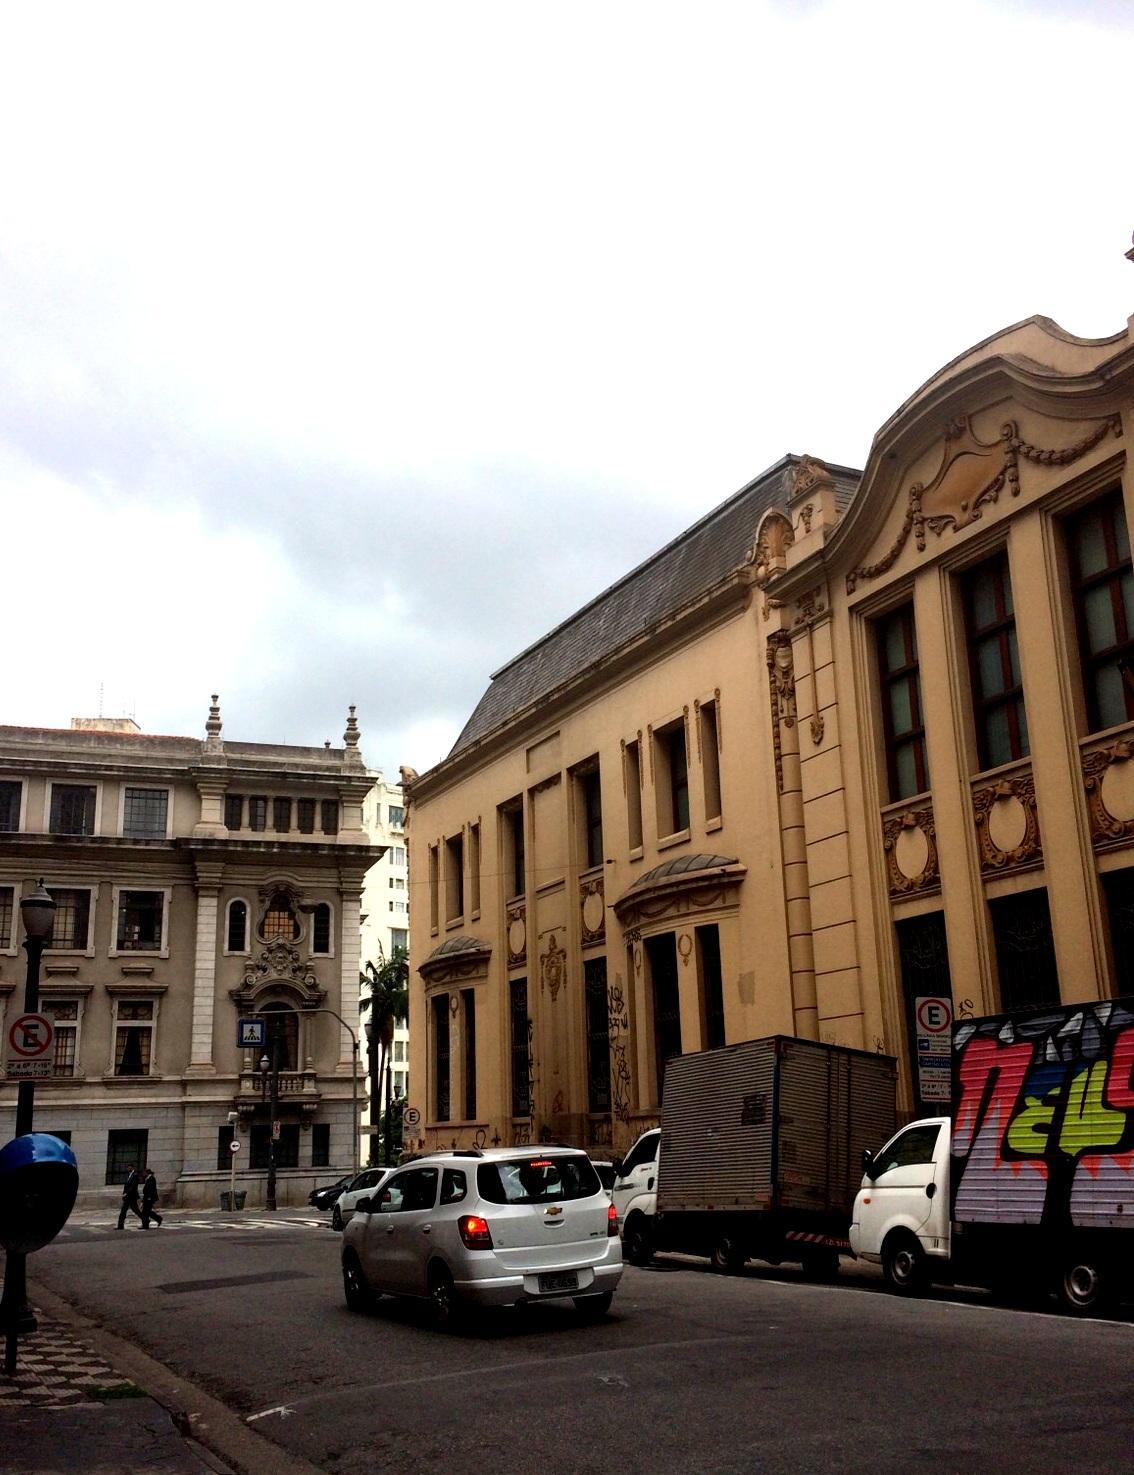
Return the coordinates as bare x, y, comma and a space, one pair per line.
493, 1227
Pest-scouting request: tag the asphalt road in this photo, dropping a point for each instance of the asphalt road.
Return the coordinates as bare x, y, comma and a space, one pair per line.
763, 1372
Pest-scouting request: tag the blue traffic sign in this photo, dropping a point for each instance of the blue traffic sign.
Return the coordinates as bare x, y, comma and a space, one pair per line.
250, 1035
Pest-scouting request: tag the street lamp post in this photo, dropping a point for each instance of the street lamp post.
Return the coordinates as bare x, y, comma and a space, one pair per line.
38, 912
353, 1076
270, 1063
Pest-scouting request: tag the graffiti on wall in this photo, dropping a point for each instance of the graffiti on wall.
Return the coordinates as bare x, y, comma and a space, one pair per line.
619, 1026
1044, 1127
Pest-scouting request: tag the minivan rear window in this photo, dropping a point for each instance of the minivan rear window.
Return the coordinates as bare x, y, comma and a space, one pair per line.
537, 1180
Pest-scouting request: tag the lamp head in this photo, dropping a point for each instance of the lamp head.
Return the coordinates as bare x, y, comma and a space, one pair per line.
264, 1062
38, 912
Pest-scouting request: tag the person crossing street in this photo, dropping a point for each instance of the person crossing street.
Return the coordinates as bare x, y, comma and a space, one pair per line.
130, 1191
149, 1199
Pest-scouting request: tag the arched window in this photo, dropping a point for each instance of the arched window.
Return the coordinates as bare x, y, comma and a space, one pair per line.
280, 922
321, 929
237, 931
283, 1024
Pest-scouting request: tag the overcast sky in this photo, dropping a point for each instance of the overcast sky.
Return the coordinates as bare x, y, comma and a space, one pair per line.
346, 349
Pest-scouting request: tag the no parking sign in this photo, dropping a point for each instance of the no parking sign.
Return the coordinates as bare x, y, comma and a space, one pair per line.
933, 1031
30, 1041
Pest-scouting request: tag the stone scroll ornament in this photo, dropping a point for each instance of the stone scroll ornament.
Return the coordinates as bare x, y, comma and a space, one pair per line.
970, 478
1028, 848
893, 829
1106, 828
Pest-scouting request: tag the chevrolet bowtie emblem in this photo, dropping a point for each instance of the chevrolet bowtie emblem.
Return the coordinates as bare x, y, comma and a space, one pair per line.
555, 1209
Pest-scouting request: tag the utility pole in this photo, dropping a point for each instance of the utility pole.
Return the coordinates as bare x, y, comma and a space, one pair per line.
270, 1064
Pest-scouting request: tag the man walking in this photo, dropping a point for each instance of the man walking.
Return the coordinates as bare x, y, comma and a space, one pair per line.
130, 1190
149, 1199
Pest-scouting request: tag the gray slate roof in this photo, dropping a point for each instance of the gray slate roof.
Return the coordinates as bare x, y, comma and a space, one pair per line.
692, 563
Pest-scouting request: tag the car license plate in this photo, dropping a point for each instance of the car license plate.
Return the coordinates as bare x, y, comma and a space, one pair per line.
566, 1280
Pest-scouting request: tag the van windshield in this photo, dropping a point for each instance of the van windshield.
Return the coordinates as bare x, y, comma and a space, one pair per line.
537, 1180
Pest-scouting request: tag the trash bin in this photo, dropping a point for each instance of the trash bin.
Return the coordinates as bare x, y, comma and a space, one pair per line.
227, 1204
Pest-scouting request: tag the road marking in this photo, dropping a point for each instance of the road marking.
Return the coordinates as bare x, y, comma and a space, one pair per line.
281, 1408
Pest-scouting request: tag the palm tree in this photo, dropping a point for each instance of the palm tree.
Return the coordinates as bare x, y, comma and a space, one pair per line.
386, 995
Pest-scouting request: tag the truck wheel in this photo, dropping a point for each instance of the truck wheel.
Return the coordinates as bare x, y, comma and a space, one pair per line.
1083, 1286
903, 1265
727, 1257
637, 1240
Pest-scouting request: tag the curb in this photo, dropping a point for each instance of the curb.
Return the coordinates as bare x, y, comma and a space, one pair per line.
201, 1419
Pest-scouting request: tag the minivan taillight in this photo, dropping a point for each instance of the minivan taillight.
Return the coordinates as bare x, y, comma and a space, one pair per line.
474, 1231
612, 1222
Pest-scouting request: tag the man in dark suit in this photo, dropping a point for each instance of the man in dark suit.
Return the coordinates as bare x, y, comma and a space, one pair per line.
130, 1191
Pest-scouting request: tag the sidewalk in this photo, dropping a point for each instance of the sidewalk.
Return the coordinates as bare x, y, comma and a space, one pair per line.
68, 1412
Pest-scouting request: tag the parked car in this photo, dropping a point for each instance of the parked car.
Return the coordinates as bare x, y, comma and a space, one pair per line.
365, 1183
324, 1198
493, 1227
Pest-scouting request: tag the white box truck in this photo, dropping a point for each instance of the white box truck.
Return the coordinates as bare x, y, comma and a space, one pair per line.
1027, 1187
758, 1154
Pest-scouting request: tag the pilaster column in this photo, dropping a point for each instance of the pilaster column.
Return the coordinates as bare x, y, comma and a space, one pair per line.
350, 960
205, 969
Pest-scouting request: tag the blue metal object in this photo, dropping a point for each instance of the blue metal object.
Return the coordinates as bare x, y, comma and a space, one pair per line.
39, 1179
250, 1034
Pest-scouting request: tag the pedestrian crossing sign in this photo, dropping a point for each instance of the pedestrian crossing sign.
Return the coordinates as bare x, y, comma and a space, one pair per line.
251, 1034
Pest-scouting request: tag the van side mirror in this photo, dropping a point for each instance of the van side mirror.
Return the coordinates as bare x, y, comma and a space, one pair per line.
868, 1163
364, 1206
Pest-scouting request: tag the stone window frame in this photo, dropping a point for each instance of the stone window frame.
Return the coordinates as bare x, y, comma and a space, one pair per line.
114, 951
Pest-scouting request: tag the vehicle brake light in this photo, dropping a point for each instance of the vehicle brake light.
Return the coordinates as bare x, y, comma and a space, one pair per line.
542, 1163
475, 1232
611, 1222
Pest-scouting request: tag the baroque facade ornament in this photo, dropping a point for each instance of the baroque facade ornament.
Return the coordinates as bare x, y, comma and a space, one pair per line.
1028, 850
893, 828
553, 967
970, 478
809, 474
1106, 829
516, 928
768, 555
781, 685
592, 911
279, 962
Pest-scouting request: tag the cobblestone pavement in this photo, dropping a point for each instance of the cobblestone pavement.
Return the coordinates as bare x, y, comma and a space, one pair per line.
54, 1369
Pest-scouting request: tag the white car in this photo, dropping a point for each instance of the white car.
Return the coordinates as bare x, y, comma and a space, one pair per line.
366, 1183
497, 1227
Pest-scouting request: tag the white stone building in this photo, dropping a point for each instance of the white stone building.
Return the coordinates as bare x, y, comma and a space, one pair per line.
385, 910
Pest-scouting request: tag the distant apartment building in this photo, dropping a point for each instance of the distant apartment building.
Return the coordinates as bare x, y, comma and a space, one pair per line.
852, 745
196, 882
385, 916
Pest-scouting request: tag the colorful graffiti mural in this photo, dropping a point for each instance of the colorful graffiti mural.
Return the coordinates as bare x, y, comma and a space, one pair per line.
1044, 1126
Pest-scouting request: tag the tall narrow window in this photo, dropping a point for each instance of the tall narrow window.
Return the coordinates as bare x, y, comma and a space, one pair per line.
434, 889
474, 869
329, 816
589, 792
144, 813
923, 954
521, 1047
994, 663
64, 1015
281, 816
710, 759
140, 921
662, 954
633, 776
233, 811
512, 825
70, 926
237, 939
1099, 544
441, 1057
10, 793
901, 704
598, 1036
133, 1036
321, 928
258, 812
305, 816
672, 779
282, 1026
1025, 952
1118, 887
454, 877
712, 987
126, 1148
468, 1017
72, 809
7, 906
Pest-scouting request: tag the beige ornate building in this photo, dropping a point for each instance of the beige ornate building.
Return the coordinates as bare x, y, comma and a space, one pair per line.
196, 882
848, 744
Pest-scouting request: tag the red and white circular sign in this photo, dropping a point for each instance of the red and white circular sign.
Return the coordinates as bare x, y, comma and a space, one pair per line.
934, 1016
31, 1036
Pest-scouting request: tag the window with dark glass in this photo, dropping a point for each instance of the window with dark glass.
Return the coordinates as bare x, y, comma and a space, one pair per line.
1118, 888
672, 767
468, 1018
281, 816
662, 954
521, 1046
140, 916
64, 1015
70, 926
287, 1146
133, 1037
474, 869
994, 664
1025, 952
512, 819
634, 796
1099, 545
710, 758
258, 812
305, 816
434, 888
7, 906
234, 811
441, 1057
321, 928
10, 792
923, 956
144, 813
396, 816
237, 927
598, 1035
329, 816
901, 704
72, 809
126, 1148
320, 1144
712, 986
454, 877
399, 938
281, 1036
280, 922
590, 805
